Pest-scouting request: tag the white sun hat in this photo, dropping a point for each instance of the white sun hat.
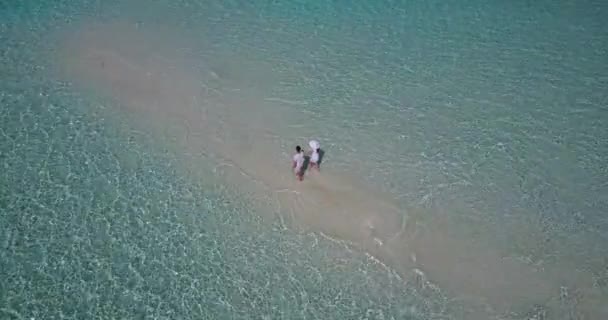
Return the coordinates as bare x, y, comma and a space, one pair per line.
314, 144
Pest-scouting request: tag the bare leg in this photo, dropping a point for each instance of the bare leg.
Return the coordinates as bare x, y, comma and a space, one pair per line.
299, 174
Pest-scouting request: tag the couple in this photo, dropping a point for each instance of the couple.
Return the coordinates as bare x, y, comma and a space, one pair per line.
314, 156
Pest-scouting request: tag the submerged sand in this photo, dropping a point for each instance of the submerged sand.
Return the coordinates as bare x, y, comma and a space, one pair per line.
139, 68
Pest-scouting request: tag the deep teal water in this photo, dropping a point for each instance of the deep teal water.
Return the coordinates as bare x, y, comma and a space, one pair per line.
491, 114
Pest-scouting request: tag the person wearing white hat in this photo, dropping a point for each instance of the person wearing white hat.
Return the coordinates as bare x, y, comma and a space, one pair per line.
314, 155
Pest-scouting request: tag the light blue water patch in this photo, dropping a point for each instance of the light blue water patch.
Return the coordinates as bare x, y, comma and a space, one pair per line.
94, 224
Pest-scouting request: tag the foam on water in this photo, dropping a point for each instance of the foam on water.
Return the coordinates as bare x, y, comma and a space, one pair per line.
140, 147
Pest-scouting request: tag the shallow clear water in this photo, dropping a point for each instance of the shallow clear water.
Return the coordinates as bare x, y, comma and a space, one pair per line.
487, 115
97, 223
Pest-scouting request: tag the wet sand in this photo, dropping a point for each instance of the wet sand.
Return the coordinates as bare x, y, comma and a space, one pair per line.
136, 68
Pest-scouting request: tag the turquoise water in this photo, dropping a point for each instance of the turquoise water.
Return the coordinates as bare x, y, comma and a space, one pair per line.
96, 225
488, 115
